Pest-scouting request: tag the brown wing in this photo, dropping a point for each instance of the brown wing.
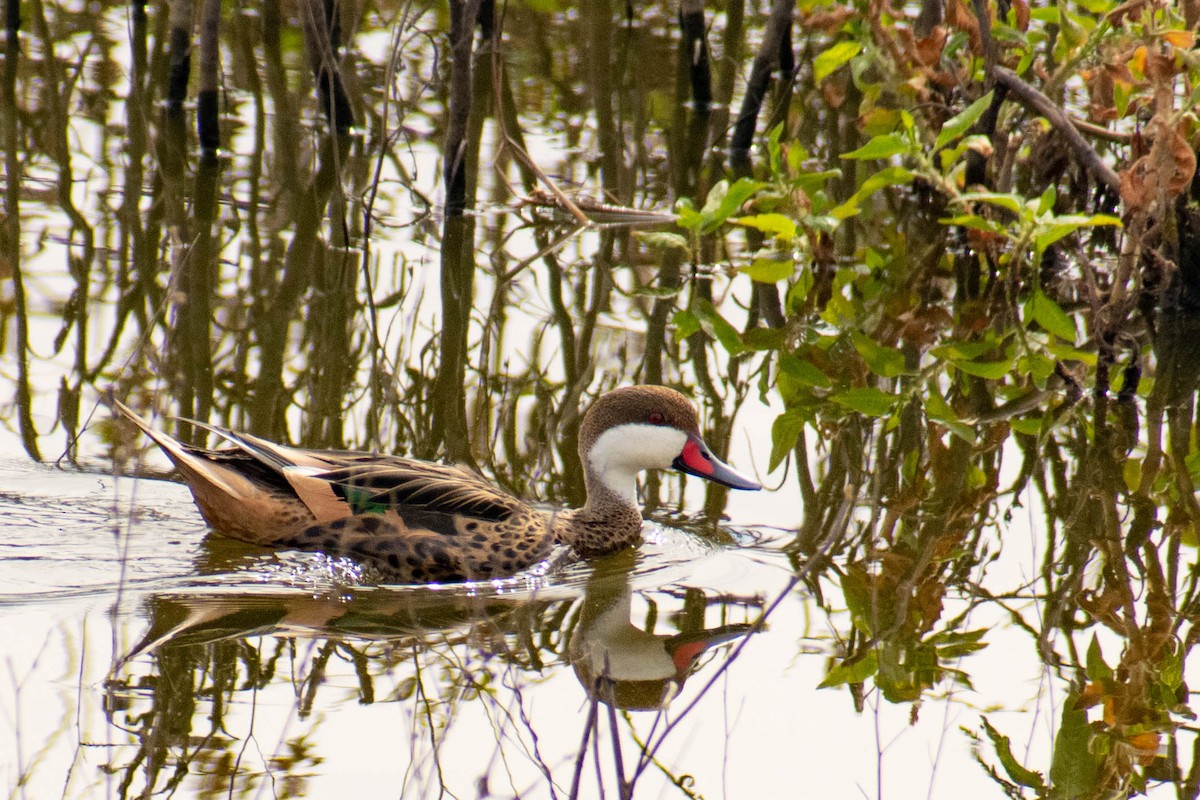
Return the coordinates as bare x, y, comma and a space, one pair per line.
375, 484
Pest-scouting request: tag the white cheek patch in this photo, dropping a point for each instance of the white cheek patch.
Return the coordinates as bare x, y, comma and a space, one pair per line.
620, 453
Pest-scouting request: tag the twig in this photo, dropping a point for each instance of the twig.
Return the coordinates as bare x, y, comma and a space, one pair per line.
624, 789
1100, 132
520, 152
1035, 100
568, 204
587, 732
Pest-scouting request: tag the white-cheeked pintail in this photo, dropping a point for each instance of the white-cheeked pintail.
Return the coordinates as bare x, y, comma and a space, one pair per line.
420, 521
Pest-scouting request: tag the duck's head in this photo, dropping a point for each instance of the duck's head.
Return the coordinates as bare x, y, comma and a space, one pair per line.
636, 428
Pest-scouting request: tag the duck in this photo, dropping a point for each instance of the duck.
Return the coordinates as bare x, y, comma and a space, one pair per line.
424, 522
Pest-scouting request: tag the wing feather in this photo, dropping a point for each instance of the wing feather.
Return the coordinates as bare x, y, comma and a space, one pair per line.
397, 483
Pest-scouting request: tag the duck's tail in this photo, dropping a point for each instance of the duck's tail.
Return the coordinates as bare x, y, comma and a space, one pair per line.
199, 472
256, 491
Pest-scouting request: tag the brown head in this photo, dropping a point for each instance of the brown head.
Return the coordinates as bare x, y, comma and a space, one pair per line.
635, 428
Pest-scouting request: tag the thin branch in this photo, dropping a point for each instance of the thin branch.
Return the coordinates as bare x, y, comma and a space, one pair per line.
1038, 102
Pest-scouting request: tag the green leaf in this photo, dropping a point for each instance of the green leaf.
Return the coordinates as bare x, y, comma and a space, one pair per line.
1069, 353
1031, 426
769, 270
1017, 773
661, 240
1068, 224
886, 362
1097, 670
771, 224
1049, 314
832, 59
764, 338
716, 326
686, 323
976, 222
866, 400
716, 196
1074, 771
937, 409
989, 370
885, 145
785, 432
1047, 200
961, 122
804, 372
687, 217
1010, 202
888, 176
812, 182
851, 671
724, 201
960, 649
857, 591
955, 350
1170, 671
1037, 365
797, 293
656, 291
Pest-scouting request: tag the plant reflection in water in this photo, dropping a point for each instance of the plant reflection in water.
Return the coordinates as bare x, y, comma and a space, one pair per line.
443, 649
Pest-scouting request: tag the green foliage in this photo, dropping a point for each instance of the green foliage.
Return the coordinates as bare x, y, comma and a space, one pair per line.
1075, 768
663, 240
1017, 773
945, 286
866, 400
834, 58
723, 201
961, 122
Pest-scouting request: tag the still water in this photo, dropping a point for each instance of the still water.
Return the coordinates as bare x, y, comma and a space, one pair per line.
310, 288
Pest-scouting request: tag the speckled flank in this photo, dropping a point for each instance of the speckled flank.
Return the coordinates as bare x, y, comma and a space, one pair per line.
468, 551
414, 520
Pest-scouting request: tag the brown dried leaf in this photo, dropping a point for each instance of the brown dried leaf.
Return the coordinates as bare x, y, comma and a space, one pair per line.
961, 17
1168, 167
1118, 72
1145, 745
1092, 694
904, 39
834, 92
1138, 145
827, 21
1101, 104
1160, 69
1105, 606
1183, 158
1130, 8
928, 603
1021, 11
921, 326
928, 49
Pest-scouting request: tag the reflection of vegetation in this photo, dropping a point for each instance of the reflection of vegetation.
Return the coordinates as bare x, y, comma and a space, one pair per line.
960, 286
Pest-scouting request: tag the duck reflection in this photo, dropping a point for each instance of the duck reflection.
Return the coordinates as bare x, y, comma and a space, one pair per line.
187, 689
626, 666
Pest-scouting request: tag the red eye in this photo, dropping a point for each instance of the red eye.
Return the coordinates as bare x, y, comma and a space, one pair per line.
655, 418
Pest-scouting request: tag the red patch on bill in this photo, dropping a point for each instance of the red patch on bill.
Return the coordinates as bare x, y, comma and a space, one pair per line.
685, 654
695, 459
